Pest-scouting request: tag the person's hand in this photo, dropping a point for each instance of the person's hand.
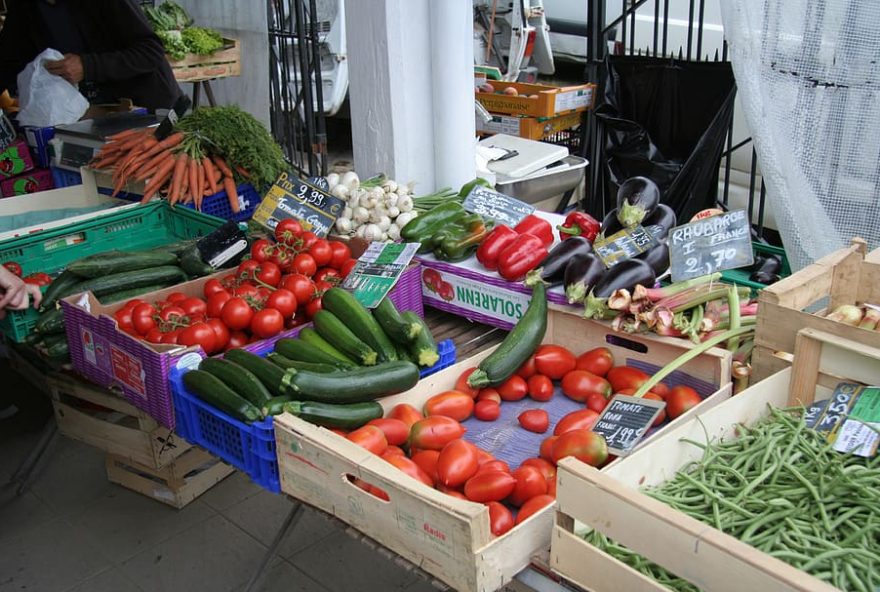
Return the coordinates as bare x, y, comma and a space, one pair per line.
70, 68
16, 293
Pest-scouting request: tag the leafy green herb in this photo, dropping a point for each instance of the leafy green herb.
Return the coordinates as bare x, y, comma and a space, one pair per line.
174, 45
200, 40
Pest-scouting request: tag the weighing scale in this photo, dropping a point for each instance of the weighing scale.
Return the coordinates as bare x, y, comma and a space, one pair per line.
514, 158
76, 144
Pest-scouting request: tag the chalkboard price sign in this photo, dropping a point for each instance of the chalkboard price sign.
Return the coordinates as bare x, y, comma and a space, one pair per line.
501, 208
7, 132
623, 245
625, 421
712, 244
291, 197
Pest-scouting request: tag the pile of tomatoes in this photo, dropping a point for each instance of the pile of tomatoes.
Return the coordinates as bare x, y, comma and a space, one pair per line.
279, 287
429, 444
38, 279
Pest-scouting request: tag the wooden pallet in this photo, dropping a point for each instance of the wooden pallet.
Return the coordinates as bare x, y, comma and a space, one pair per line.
220, 64
186, 478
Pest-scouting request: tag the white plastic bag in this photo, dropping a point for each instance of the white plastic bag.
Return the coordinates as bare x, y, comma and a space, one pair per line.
45, 99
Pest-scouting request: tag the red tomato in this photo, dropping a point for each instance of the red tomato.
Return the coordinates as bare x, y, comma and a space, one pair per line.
123, 319
176, 297
221, 334
13, 267
584, 445
578, 384
457, 463
216, 301
622, 377
405, 413
321, 252
554, 361
313, 306
135, 302
534, 420
597, 402
143, 318
193, 306
341, 254
237, 314
410, 468
500, 518
308, 239
540, 387
246, 290
660, 389
261, 250
582, 419
427, 461
302, 287
154, 335
487, 410
681, 399
546, 450
491, 486
533, 506
347, 267
662, 416
369, 437
268, 273
461, 383
455, 493
433, 433
598, 361
527, 370
459, 406
489, 394
551, 488
393, 449
493, 465
237, 339
329, 275
228, 281
321, 286
514, 388
396, 431
170, 336
283, 301
547, 469
211, 287
530, 482
38, 279
171, 313
484, 457
267, 323
282, 258
287, 231
200, 334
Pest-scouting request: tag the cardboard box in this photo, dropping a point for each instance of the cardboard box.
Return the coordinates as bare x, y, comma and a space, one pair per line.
15, 160
30, 182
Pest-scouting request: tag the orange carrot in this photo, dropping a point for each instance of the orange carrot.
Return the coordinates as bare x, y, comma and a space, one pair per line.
193, 176
158, 180
156, 160
224, 168
177, 178
243, 172
124, 134
169, 142
217, 176
134, 140
184, 187
231, 193
209, 174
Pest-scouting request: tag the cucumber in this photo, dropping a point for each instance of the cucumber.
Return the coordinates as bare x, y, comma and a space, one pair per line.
300, 351
352, 386
238, 378
126, 280
520, 343
177, 247
334, 331
213, 391
59, 349
346, 417
423, 348
287, 363
124, 295
51, 321
275, 405
110, 263
393, 324
313, 338
192, 263
268, 373
63, 285
34, 338
358, 319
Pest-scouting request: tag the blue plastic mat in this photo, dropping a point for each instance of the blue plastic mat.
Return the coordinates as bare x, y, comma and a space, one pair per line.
23, 220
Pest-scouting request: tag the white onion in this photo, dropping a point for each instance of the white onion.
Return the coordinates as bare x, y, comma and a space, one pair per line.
332, 180
350, 180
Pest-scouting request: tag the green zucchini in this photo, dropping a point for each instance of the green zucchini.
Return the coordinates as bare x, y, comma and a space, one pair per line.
300, 351
124, 295
110, 263
275, 405
59, 348
358, 319
313, 338
346, 417
393, 324
192, 263
51, 321
213, 391
334, 331
238, 378
352, 386
52, 340
126, 280
286, 363
268, 373
423, 348
520, 343
62, 286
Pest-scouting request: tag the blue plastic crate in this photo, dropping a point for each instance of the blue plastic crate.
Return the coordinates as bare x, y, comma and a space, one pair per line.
38, 139
217, 204
65, 178
446, 349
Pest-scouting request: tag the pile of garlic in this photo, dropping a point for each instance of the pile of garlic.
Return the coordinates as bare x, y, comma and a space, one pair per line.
375, 211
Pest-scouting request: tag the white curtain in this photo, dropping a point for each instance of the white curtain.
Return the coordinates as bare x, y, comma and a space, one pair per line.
808, 77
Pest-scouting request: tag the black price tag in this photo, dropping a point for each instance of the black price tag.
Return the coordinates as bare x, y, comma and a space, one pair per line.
291, 197
319, 182
624, 245
501, 208
223, 247
625, 421
177, 111
835, 409
7, 132
711, 244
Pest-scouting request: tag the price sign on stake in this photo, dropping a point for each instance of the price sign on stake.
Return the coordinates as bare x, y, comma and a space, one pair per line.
501, 208
711, 244
624, 245
625, 421
377, 270
291, 197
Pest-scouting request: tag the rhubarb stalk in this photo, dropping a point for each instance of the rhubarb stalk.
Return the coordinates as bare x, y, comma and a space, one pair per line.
655, 294
733, 311
619, 300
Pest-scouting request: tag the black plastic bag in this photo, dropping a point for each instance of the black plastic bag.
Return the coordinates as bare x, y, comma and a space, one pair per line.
666, 120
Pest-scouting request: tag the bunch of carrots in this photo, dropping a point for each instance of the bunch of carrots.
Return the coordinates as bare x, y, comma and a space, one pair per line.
177, 167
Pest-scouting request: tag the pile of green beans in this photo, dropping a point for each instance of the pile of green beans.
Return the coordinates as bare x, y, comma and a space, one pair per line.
781, 488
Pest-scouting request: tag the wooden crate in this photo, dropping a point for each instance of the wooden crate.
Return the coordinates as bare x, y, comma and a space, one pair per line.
846, 276
538, 100
609, 502
531, 128
220, 64
447, 537
92, 414
186, 478
30, 367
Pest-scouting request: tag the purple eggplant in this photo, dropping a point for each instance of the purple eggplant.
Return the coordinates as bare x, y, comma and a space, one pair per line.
553, 266
626, 275
660, 222
610, 224
657, 258
636, 199
581, 274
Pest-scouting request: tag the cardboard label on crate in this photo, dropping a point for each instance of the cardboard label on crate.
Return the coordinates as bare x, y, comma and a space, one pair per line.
377, 270
7, 132
474, 299
624, 245
713, 244
500, 124
291, 197
859, 432
826, 416
128, 370
625, 421
581, 98
501, 208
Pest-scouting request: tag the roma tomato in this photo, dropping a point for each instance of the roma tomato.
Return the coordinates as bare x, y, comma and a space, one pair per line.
623, 377
459, 406
662, 416
283, 301
487, 410
584, 445
540, 387
582, 419
546, 449
493, 465
341, 254
305, 264
433, 433
461, 383
369, 437
261, 250
321, 252
216, 302
533, 506
547, 469
527, 370
457, 463
490, 486
396, 431
427, 461
530, 482
514, 388
267, 323
143, 318
598, 361
237, 339
193, 307
302, 287
410, 468
406, 413
454, 493
534, 420
660, 389
579, 384
287, 231
500, 518
597, 402
393, 450
237, 314
681, 399
221, 334
489, 394
554, 361
378, 492
200, 334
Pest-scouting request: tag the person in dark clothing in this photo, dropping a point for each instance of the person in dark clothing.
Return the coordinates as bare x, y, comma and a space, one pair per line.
109, 49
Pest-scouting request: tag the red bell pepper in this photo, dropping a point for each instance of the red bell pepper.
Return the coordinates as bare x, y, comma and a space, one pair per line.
579, 224
536, 226
489, 250
521, 256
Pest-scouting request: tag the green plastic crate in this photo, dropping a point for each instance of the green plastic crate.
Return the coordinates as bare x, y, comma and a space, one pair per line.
740, 277
142, 227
